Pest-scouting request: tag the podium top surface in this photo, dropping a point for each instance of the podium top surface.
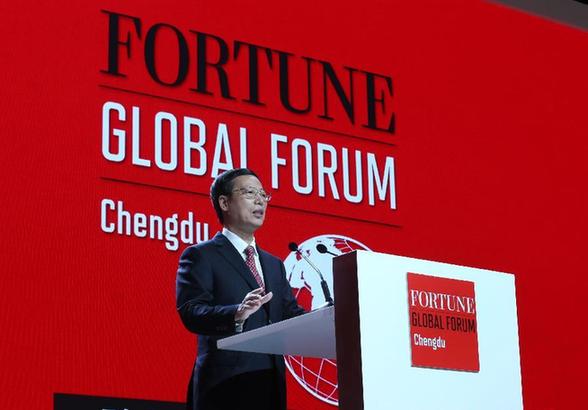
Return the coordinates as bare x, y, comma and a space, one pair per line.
309, 335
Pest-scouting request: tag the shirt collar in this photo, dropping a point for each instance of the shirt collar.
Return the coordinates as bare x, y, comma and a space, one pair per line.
237, 242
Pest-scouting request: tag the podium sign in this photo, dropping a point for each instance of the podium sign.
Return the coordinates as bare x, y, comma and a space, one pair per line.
443, 327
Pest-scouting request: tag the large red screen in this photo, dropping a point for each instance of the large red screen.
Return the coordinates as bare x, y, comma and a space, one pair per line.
469, 150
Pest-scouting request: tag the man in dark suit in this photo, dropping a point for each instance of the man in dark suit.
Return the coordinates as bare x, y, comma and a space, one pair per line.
229, 285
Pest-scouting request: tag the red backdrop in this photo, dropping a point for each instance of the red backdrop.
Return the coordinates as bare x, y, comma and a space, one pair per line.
489, 154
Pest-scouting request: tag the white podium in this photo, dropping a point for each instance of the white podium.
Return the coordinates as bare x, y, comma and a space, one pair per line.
409, 333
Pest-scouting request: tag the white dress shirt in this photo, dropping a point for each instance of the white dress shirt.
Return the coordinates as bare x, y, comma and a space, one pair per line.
241, 245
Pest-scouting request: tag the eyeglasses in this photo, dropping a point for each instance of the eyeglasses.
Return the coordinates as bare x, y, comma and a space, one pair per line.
251, 193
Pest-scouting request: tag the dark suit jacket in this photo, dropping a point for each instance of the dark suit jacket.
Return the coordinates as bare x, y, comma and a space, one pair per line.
212, 280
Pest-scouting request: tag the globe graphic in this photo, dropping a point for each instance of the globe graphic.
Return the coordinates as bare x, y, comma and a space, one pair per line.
316, 376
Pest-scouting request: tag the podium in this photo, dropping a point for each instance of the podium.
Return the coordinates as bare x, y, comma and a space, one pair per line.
409, 333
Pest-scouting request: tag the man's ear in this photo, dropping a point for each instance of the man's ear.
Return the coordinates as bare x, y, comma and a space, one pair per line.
223, 202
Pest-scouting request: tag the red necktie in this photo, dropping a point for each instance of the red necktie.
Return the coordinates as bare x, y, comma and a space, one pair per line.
250, 261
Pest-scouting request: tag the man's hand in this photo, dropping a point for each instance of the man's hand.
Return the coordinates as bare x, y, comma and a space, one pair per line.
251, 304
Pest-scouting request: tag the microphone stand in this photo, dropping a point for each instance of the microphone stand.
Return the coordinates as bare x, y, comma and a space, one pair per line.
325, 287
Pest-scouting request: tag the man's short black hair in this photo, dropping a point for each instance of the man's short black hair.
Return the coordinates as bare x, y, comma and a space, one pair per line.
223, 185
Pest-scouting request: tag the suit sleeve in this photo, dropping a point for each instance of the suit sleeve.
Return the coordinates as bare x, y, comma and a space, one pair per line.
290, 307
195, 298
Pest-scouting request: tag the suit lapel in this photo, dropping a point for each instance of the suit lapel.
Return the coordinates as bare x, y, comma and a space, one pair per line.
228, 251
270, 277
268, 274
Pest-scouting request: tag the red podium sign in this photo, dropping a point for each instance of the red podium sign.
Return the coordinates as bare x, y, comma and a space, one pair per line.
443, 324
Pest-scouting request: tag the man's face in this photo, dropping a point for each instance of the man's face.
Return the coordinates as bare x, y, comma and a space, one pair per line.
241, 213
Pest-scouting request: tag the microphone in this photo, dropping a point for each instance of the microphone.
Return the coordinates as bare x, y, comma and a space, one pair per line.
323, 249
328, 299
